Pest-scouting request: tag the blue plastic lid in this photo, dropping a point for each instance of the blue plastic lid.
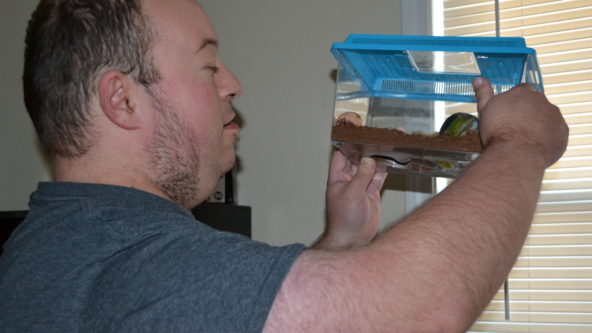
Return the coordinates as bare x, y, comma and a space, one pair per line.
433, 67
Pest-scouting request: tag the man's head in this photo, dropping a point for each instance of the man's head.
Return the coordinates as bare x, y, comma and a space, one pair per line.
69, 45
153, 104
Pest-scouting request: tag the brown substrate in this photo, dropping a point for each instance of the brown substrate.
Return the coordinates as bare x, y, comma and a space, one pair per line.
469, 142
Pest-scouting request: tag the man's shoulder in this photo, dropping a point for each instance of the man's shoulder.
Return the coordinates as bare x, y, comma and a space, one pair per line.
103, 263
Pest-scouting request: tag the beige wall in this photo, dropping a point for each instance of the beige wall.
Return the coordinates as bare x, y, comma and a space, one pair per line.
280, 51
21, 164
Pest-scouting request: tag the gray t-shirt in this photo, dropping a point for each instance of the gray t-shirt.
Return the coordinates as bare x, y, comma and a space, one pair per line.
100, 258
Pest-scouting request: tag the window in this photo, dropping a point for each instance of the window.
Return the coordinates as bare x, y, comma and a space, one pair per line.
551, 284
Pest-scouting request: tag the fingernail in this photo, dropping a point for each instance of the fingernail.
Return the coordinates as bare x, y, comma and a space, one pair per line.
367, 162
478, 82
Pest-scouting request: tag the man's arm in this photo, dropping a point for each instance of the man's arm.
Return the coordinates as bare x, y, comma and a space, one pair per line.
437, 269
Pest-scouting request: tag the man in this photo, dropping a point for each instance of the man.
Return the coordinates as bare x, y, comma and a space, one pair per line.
134, 105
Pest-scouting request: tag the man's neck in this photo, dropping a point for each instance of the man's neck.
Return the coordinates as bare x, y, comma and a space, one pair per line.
89, 169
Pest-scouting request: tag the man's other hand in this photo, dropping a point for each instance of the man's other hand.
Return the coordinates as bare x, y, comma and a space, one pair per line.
521, 119
353, 203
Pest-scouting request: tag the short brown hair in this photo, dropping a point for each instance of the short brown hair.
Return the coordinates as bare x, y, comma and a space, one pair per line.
69, 44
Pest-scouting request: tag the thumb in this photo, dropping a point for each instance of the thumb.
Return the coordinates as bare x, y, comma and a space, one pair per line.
338, 164
483, 92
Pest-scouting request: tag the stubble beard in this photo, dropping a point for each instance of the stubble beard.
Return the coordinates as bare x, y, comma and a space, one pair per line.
173, 155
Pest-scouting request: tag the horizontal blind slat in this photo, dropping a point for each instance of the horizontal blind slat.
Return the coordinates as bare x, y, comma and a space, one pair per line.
518, 327
542, 273
563, 26
572, 87
562, 57
546, 18
551, 284
547, 317
579, 118
577, 152
561, 228
573, 162
557, 251
488, 27
562, 67
547, 295
571, 97
568, 77
573, 261
558, 36
462, 3
540, 2
567, 195
548, 7
543, 306
571, 206
567, 109
566, 217
580, 140
580, 129
563, 46
566, 239
568, 173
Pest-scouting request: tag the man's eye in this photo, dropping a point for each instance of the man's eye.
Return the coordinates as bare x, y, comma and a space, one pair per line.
214, 69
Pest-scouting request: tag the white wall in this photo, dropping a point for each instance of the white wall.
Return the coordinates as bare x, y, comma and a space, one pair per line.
21, 164
279, 49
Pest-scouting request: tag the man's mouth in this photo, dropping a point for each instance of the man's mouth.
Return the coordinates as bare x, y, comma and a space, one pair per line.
231, 126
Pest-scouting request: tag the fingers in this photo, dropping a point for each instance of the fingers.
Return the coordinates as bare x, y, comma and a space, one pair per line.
376, 183
338, 163
364, 176
483, 92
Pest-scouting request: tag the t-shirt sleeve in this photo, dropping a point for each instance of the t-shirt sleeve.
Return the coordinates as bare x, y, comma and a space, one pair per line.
190, 280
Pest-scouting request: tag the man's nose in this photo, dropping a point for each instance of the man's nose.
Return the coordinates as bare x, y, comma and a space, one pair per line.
228, 84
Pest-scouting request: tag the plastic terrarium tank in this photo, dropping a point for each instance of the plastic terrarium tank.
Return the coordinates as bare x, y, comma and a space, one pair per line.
393, 93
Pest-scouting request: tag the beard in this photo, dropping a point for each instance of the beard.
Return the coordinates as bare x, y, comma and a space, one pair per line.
174, 157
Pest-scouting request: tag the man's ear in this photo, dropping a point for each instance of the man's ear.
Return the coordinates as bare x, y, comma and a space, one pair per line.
117, 100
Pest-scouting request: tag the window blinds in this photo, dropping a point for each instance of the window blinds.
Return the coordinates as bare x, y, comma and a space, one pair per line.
551, 283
